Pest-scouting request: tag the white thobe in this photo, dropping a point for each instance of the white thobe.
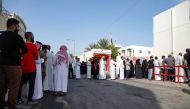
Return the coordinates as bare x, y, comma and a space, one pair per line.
157, 70
102, 69
48, 81
112, 72
117, 64
38, 91
178, 62
74, 65
78, 75
88, 70
6, 96
121, 69
61, 77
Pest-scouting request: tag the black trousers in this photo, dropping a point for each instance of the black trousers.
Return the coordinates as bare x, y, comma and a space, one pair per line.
27, 77
95, 74
125, 73
70, 72
128, 73
171, 72
186, 72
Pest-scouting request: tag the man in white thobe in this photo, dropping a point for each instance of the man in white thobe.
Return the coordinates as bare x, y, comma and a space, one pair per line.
48, 81
102, 69
89, 69
118, 58
74, 66
61, 71
121, 68
112, 72
179, 62
157, 69
78, 73
38, 92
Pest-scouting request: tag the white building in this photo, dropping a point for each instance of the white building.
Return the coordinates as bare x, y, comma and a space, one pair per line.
118, 46
97, 53
94, 52
134, 51
172, 30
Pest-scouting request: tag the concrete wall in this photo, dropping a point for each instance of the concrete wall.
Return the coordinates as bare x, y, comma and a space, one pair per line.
181, 27
162, 41
172, 30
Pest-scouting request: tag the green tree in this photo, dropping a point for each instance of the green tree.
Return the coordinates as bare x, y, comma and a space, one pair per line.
92, 46
103, 43
114, 51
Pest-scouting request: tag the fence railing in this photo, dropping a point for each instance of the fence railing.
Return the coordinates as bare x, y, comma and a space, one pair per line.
164, 73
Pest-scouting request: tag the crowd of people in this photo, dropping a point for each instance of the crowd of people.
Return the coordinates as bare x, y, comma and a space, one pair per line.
172, 68
32, 63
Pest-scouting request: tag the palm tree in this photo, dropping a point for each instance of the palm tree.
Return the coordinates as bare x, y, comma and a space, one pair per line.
92, 46
104, 43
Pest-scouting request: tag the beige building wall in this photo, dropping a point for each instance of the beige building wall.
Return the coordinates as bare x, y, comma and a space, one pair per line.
172, 30
4, 16
181, 27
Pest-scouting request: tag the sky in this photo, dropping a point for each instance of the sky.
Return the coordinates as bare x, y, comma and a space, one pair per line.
58, 22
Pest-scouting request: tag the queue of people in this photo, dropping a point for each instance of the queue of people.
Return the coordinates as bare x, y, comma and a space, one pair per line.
32, 63
176, 68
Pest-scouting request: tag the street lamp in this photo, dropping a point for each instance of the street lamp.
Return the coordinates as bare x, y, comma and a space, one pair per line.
74, 45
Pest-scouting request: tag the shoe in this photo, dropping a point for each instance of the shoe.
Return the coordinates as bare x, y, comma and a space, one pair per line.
62, 94
55, 94
46, 91
31, 102
19, 101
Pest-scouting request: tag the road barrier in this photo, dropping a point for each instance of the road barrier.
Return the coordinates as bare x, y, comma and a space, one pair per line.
163, 72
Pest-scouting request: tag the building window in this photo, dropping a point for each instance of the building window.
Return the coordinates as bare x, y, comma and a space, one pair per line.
140, 51
129, 52
123, 51
149, 52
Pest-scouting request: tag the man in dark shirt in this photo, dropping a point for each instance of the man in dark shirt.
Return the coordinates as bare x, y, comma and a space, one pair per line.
185, 62
12, 46
170, 62
187, 58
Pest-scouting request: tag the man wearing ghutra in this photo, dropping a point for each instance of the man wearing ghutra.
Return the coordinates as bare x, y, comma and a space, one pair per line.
61, 71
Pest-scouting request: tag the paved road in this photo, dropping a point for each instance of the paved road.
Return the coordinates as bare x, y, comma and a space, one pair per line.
117, 94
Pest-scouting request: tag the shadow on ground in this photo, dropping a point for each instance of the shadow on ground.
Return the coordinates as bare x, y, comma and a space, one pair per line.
99, 94
105, 94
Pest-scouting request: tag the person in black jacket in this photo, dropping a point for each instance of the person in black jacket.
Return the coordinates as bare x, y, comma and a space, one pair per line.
132, 68
145, 68
138, 69
187, 63
12, 46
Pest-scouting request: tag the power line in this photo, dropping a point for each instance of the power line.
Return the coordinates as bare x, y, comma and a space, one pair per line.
124, 14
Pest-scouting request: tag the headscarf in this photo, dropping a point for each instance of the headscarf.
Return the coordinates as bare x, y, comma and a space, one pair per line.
62, 56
